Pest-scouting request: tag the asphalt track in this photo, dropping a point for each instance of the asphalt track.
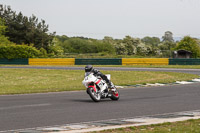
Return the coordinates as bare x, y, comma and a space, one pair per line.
39, 110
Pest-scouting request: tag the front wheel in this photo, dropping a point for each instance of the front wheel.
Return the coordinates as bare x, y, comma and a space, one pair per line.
115, 95
96, 97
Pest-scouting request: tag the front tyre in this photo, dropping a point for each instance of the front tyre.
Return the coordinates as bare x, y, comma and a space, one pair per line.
96, 97
115, 95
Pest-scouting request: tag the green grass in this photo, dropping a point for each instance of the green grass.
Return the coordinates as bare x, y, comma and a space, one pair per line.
189, 126
166, 66
153, 66
20, 81
131, 66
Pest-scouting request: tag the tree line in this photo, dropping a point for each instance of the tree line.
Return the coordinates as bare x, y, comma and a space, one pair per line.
129, 46
26, 37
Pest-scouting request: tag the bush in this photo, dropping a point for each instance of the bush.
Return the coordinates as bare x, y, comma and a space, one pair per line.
190, 44
43, 52
18, 51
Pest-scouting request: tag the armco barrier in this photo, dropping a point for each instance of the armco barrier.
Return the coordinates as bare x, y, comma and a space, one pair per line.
123, 61
48, 61
98, 61
184, 61
14, 61
145, 61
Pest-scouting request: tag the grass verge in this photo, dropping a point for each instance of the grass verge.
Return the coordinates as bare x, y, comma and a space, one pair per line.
189, 126
165, 66
20, 81
131, 66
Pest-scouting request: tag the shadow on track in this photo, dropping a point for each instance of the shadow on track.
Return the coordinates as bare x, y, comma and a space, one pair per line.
90, 100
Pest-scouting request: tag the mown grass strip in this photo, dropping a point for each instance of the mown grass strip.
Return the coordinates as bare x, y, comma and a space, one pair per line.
189, 126
165, 66
131, 66
20, 81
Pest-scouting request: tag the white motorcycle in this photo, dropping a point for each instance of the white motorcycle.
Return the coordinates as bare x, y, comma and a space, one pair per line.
98, 89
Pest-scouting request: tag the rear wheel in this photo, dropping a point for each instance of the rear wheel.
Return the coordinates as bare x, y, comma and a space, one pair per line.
94, 95
115, 95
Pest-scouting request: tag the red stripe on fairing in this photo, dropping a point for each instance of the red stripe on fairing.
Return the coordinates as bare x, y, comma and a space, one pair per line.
116, 94
93, 87
98, 81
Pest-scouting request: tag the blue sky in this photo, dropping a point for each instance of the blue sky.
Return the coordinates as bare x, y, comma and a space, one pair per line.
115, 18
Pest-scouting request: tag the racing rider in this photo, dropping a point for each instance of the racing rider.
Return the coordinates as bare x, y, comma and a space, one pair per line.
89, 68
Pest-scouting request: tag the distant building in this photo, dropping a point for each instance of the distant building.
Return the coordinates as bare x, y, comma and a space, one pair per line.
182, 54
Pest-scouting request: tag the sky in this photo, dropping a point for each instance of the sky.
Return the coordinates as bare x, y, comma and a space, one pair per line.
114, 18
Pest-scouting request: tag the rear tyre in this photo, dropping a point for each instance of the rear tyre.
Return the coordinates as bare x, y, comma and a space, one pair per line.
96, 97
115, 95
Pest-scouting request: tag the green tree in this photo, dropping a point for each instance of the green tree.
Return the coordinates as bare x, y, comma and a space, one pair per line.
142, 49
22, 29
152, 44
55, 47
3, 39
153, 41
77, 45
43, 52
104, 47
190, 44
166, 48
108, 39
62, 38
167, 45
168, 36
131, 44
198, 41
121, 48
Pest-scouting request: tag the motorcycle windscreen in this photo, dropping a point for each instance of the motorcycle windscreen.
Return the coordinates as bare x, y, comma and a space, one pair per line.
87, 74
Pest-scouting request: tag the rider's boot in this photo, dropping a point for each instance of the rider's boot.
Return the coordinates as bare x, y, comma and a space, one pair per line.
111, 86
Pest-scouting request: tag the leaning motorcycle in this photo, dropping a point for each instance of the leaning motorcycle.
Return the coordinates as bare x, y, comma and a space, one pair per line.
98, 89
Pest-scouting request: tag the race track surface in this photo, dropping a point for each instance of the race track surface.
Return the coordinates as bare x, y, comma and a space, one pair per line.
39, 110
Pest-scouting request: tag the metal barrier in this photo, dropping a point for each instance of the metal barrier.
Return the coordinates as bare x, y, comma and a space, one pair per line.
184, 61
117, 61
14, 61
54, 61
145, 61
98, 61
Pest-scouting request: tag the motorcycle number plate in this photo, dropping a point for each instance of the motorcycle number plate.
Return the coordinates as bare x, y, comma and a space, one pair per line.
100, 84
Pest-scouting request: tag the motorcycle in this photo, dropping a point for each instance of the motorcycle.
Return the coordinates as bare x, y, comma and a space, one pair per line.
98, 89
